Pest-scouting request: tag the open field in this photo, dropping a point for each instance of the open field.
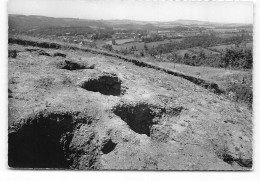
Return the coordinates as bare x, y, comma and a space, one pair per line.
221, 48
204, 50
226, 30
195, 50
215, 74
78, 108
140, 45
121, 41
225, 35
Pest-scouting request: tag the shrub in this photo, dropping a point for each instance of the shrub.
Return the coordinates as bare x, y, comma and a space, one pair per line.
242, 92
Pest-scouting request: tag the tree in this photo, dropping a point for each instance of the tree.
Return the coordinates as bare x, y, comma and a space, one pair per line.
160, 51
152, 52
113, 41
145, 47
174, 57
186, 58
238, 58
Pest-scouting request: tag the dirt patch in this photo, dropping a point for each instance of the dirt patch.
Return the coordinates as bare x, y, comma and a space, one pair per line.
74, 65
44, 141
44, 82
106, 84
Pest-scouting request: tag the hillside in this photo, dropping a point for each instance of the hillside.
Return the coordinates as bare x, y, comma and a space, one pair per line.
81, 108
23, 23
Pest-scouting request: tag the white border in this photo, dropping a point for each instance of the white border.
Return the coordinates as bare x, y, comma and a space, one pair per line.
7, 174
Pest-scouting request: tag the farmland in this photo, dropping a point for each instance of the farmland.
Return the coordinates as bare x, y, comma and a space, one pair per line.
221, 48
121, 41
140, 46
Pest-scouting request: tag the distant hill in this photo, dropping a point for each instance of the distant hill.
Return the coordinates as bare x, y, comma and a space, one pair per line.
25, 23
22, 23
192, 22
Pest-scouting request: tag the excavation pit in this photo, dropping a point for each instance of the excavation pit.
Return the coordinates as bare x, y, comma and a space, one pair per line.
140, 117
108, 146
107, 85
43, 142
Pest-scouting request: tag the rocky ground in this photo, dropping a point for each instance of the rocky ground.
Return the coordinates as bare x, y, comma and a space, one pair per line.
71, 109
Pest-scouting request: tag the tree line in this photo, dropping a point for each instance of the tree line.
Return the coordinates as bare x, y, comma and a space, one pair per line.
234, 58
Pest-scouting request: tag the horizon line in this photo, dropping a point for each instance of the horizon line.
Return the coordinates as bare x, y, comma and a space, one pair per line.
127, 19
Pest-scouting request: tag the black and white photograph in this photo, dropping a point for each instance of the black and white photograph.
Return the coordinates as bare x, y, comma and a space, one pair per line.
130, 85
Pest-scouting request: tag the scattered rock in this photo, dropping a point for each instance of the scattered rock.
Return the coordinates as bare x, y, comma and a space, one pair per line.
32, 49
59, 54
42, 52
74, 65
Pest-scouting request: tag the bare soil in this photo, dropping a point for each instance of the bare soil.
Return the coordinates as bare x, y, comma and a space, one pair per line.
118, 115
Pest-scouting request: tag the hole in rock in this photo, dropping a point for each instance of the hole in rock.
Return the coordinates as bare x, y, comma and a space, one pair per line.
107, 85
108, 147
139, 117
41, 143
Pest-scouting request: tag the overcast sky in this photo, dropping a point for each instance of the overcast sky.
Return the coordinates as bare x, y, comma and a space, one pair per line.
153, 10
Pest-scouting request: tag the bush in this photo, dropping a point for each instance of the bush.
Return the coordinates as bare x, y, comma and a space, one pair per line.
238, 58
107, 47
242, 92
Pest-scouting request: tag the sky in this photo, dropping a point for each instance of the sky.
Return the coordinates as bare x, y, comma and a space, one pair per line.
144, 10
